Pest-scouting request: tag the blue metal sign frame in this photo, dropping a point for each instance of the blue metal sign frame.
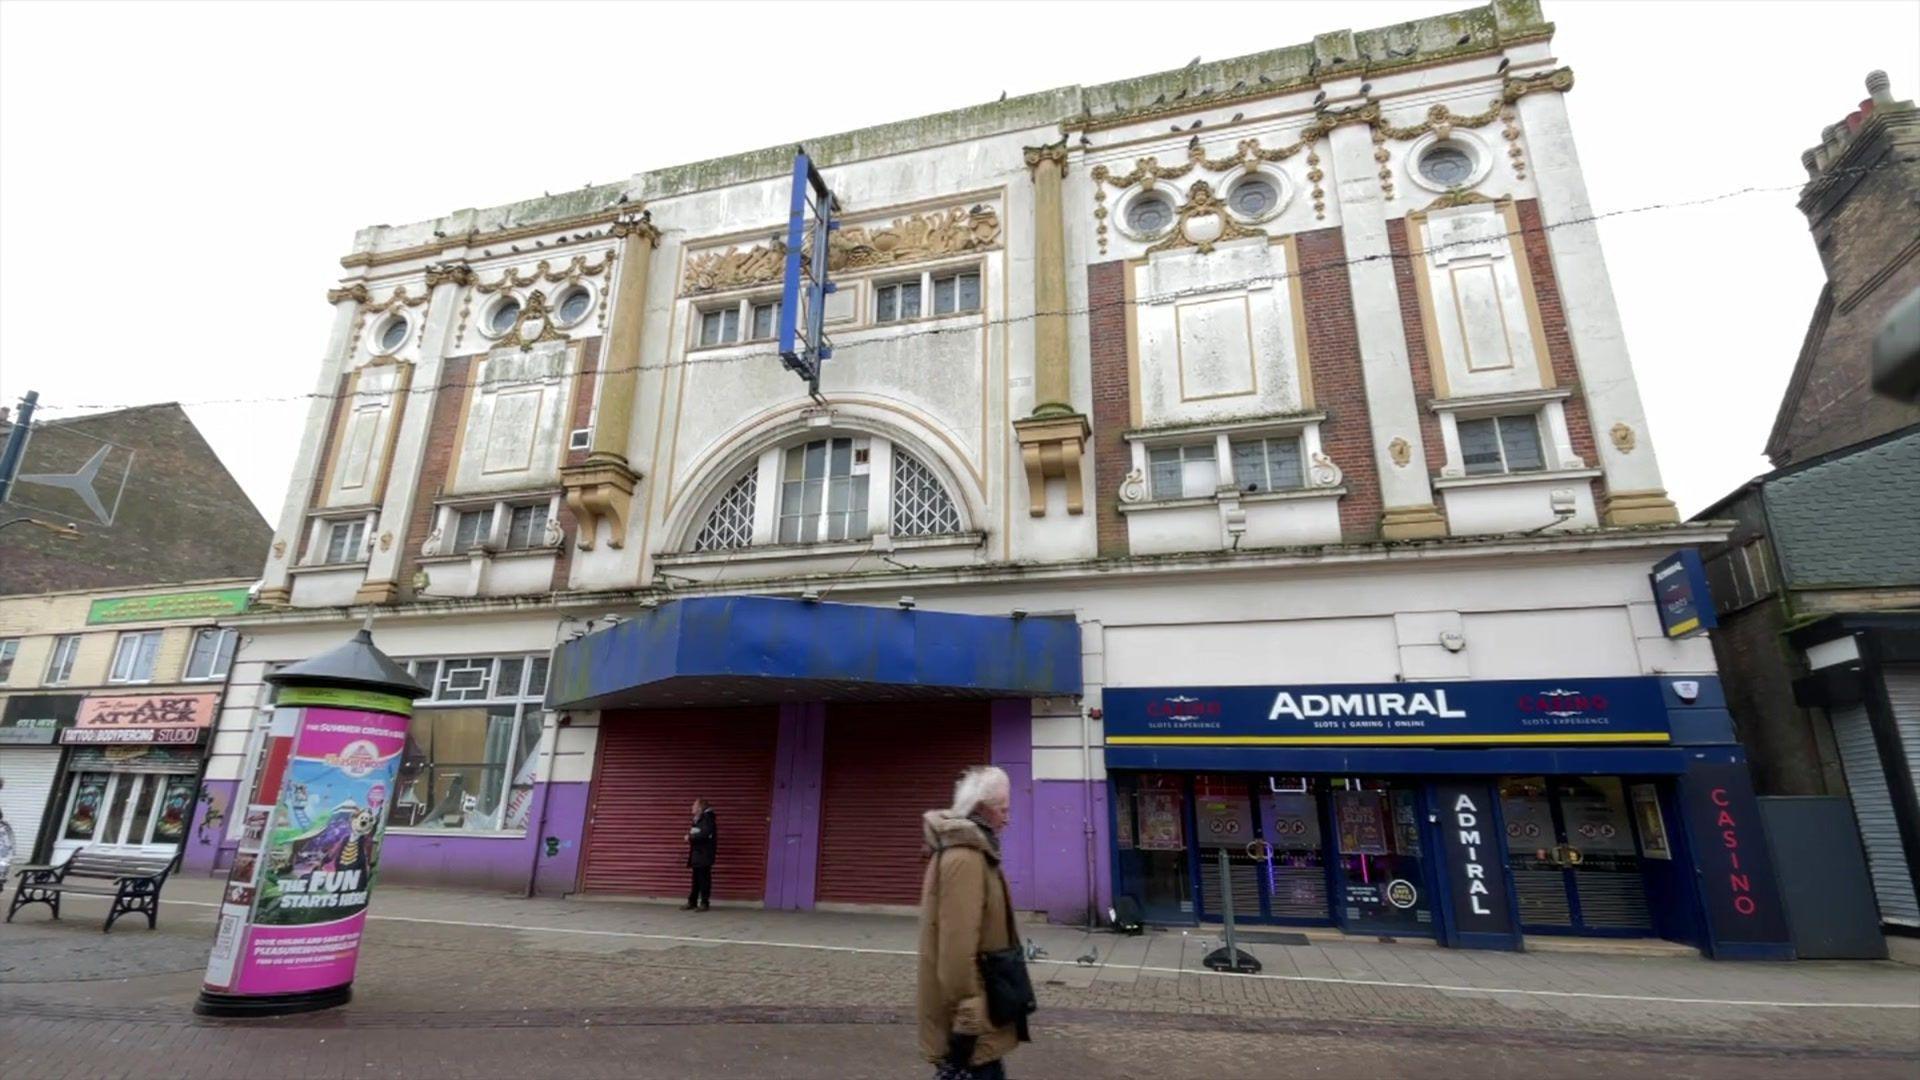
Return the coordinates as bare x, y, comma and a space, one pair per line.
1681, 594
806, 276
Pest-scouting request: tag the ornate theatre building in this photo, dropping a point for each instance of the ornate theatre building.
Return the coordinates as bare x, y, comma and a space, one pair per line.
1246, 457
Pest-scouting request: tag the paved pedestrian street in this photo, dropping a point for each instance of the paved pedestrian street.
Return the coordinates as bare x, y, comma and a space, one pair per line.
471, 985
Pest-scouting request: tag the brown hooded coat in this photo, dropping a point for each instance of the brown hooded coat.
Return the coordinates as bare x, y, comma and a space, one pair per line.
964, 911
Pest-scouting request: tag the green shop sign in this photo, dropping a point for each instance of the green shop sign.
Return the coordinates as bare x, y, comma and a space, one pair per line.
184, 605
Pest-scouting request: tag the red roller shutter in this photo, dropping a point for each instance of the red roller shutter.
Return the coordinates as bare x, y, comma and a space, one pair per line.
651, 766
885, 766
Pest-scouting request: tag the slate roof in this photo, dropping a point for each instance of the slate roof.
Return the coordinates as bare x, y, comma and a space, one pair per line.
1852, 518
181, 516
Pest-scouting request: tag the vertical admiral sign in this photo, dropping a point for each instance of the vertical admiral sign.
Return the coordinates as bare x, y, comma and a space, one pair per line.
1681, 595
1470, 849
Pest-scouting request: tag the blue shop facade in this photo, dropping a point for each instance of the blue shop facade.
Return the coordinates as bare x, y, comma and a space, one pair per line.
1478, 813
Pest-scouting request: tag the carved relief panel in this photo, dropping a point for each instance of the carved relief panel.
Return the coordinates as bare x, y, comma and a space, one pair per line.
513, 436
365, 425
1483, 327
1219, 335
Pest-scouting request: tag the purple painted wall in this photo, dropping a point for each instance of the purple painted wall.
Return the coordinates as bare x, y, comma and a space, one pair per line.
1060, 818
207, 851
492, 862
1011, 748
793, 840
425, 858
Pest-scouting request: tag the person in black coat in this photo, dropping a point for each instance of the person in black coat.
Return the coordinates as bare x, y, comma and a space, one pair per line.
703, 843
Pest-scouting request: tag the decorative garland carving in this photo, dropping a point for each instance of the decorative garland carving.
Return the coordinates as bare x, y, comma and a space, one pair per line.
910, 239
1202, 203
439, 274
358, 293
533, 325
1440, 119
544, 271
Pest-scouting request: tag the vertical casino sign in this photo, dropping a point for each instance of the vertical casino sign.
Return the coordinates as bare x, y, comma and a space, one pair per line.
296, 900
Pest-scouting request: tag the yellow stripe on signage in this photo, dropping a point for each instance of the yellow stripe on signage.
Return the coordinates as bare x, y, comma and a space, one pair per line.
1378, 740
1684, 627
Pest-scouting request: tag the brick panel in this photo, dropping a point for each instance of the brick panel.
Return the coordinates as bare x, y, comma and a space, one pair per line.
588, 378
1112, 402
1553, 321
1339, 388
443, 429
1413, 319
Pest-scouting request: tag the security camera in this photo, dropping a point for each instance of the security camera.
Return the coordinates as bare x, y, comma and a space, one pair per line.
811, 596
1019, 613
906, 603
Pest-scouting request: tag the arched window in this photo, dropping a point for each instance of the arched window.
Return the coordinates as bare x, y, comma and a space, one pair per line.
921, 507
830, 490
729, 524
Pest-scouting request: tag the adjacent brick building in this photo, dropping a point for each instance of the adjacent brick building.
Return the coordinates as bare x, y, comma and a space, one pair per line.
1818, 585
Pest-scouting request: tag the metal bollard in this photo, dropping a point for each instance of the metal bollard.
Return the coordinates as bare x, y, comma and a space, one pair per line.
1229, 958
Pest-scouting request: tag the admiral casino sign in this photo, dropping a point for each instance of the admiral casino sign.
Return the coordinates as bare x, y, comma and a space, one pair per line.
1489, 712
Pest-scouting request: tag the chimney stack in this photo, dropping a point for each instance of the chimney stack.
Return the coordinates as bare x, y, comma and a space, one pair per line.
1879, 88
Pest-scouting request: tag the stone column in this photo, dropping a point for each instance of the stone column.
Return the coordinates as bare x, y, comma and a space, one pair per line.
1406, 491
418, 391
601, 488
276, 583
1634, 492
1052, 438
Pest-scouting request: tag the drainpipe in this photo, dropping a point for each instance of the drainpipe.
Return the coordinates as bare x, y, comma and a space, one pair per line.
1086, 781
546, 796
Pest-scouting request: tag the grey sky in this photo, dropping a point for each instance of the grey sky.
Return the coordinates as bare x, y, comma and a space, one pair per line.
178, 181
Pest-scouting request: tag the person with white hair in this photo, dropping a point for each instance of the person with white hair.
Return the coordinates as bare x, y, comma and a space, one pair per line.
969, 1021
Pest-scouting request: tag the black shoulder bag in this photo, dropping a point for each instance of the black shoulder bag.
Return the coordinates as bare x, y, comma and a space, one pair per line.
1004, 973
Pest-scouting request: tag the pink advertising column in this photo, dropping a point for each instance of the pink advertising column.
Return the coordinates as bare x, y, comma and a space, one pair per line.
296, 898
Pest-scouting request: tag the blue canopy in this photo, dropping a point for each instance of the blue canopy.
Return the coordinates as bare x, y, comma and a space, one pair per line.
741, 650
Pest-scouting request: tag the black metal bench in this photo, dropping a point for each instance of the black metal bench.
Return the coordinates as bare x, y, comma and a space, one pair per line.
133, 881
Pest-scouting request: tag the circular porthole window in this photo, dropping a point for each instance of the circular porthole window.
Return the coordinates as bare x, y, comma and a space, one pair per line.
1149, 215
1447, 165
574, 305
1253, 197
393, 334
503, 316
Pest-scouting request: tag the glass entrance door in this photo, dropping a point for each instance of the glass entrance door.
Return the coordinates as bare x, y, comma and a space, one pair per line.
145, 812
1572, 851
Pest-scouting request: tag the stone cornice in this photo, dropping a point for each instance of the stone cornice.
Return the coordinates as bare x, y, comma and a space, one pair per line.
1447, 549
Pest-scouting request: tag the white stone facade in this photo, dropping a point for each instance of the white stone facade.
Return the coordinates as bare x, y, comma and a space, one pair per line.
1377, 523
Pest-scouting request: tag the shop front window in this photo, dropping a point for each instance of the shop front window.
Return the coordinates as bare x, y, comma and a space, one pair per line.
1293, 861
1150, 832
1382, 872
472, 745
121, 808
87, 805
1223, 819
1574, 854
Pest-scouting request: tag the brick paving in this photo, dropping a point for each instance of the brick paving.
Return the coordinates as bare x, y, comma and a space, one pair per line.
551, 987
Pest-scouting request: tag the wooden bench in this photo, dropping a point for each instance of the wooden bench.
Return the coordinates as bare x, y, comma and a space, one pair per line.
132, 880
